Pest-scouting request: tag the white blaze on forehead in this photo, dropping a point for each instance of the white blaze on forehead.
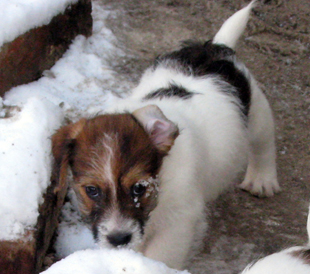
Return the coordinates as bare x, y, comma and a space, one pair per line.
109, 142
104, 157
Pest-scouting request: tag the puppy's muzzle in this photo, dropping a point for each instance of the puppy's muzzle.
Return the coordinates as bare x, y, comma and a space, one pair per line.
119, 239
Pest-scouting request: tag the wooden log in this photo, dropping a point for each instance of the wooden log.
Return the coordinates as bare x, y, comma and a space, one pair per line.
26, 255
17, 256
24, 59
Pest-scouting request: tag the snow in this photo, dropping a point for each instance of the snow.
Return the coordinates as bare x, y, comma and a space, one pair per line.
73, 234
25, 164
19, 16
108, 261
83, 81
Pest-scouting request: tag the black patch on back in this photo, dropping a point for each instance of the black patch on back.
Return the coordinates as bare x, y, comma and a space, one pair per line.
228, 71
198, 56
172, 91
303, 254
201, 59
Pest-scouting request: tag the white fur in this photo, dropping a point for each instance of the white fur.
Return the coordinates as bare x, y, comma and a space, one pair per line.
116, 223
105, 168
261, 175
237, 22
211, 151
284, 262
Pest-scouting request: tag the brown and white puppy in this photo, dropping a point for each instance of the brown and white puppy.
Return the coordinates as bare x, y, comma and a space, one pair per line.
115, 165
143, 172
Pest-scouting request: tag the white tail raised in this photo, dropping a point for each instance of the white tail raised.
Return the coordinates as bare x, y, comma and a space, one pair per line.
233, 27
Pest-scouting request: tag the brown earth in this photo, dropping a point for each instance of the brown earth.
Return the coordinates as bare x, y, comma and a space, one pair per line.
276, 49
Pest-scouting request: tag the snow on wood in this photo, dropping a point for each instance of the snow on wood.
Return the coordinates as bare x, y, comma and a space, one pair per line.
36, 34
25, 173
19, 16
25, 165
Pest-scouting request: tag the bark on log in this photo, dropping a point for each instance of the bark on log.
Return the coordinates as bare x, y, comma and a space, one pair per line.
24, 59
26, 255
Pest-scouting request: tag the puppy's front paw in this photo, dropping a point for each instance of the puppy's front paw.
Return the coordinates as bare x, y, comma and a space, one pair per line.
261, 187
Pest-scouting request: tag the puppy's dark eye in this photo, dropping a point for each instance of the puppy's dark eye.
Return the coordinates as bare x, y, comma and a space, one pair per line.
92, 191
138, 190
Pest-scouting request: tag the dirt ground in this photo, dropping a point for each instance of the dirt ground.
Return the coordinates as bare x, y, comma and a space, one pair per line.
276, 48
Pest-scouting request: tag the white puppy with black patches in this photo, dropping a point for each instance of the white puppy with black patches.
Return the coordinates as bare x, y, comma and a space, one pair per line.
143, 173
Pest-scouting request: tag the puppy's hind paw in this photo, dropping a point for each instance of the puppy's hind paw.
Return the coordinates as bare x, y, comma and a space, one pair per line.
260, 187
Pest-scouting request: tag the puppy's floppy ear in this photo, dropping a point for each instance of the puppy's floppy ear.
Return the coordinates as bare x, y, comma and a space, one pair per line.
62, 148
162, 131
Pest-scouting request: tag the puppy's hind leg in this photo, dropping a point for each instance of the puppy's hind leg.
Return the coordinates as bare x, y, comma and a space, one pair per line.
261, 175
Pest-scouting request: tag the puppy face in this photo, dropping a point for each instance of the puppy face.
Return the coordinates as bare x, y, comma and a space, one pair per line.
115, 161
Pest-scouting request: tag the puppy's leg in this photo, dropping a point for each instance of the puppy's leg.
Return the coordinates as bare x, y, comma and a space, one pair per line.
261, 175
178, 235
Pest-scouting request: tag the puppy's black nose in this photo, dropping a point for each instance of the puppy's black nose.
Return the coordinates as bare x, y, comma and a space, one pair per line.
117, 239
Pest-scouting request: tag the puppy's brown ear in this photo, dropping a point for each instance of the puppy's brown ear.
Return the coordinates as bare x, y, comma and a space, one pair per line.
162, 131
62, 147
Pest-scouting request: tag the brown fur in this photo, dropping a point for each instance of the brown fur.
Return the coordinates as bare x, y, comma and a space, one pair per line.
61, 142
